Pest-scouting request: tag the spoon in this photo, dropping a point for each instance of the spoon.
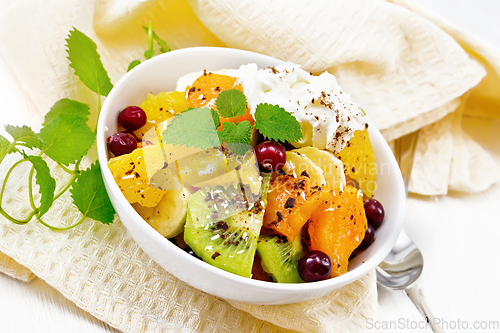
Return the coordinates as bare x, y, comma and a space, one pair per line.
404, 264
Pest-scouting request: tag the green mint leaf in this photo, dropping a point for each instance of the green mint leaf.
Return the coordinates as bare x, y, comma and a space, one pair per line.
193, 128
84, 59
90, 196
4, 146
237, 136
66, 139
275, 123
163, 45
133, 64
220, 136
66, 136
239, 133
231, 103
65, 107
24, 135
46, 184
215, 117
148, 54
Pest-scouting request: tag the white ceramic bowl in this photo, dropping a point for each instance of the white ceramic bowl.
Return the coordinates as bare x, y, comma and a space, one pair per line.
160, 74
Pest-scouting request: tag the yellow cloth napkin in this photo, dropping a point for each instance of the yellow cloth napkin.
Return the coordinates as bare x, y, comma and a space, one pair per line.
406, 67
404, 70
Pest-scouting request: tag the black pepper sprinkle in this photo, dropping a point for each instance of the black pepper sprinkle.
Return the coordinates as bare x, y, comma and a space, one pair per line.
305, 174
290, 203
299, 184
192, 89
222, 225
280, 216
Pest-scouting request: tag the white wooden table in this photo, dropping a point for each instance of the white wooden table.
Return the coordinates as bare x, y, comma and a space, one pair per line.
458, 235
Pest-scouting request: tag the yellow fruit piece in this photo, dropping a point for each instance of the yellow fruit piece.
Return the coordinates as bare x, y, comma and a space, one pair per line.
359, 162
332, 167
143, 176
160, 107
197, 168
297, 163
169, 215
235, 169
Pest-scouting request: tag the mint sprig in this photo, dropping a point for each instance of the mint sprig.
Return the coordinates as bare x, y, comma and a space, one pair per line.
133, 64
4, 146
149, 53
197, 130
273, 122
163, 45
231, 103
24, 136
64, 138
45, 182
193, 128
237, 136
67, 106
84, 59
237, 133
90, 196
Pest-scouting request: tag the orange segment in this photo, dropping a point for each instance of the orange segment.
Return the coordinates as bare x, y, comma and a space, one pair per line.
207, 87
338, 226
290, 203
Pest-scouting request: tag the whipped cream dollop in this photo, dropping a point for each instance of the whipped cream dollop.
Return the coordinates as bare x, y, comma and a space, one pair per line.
327, 115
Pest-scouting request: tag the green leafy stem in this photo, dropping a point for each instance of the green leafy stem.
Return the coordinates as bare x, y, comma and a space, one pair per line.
198, 127
65, 138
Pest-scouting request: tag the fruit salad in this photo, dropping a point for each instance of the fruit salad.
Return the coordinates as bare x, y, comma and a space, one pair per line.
265, 173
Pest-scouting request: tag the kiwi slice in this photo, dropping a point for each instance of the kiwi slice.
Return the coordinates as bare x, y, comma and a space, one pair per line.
280, 257
222, 228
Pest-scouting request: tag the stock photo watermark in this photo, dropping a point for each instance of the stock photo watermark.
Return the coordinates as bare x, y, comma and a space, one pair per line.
456, 324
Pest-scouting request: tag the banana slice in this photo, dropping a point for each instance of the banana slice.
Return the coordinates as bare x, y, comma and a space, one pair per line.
298, 163
332, 167
169, 215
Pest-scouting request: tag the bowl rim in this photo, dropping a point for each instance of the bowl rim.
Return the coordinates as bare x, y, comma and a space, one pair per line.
367, 265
